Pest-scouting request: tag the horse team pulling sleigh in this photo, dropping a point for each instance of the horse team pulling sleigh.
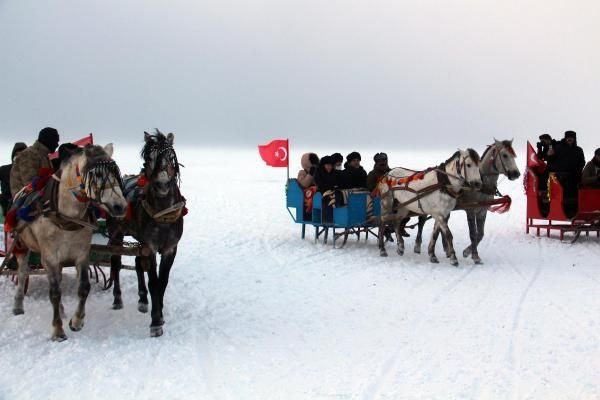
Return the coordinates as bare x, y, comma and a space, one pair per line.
464, 181
148, 207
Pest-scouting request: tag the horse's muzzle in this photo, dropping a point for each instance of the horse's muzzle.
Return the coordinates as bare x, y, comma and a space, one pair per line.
475, 185
512, 175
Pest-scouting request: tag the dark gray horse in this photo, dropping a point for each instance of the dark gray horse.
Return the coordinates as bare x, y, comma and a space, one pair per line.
156, 222
498, 159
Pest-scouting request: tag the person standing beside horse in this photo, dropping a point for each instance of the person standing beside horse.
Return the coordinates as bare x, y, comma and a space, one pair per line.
380, 168
6, 195
33, 161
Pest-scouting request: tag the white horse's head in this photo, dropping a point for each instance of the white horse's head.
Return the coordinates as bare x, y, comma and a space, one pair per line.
101, 179
503, 159
466, 167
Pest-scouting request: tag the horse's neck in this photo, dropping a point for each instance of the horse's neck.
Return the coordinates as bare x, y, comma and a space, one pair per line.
488, 171
67, 203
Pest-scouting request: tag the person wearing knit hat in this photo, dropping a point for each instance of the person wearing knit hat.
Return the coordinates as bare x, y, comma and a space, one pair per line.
34, 160
354, 174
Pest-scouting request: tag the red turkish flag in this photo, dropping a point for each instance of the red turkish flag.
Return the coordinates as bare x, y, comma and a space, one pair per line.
275, 153
89, 139
533, 161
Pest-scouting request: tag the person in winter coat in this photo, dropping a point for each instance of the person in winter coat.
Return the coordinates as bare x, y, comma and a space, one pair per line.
354, 175
590, 177
30, 161
337, 160
545, 145
328, 178
379, 169
6, 195
310, 165
567, 162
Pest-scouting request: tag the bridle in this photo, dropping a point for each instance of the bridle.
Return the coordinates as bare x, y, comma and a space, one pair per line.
494, 159
88, 181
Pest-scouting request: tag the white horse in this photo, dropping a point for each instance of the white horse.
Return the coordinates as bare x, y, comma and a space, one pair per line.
62, 232
497, 159
431, 192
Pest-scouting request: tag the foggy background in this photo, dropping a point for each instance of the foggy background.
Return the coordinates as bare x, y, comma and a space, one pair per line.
239, 73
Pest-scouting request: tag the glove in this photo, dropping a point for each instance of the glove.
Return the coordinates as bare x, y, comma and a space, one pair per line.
312, 170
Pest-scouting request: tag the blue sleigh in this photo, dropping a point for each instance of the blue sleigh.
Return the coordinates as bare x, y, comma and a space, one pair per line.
351, 219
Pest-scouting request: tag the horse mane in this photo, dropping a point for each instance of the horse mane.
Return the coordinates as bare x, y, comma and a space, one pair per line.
505, 143
474, 156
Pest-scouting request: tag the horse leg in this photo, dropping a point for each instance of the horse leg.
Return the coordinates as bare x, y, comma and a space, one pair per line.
445, 242
142, 290
431, 248
154, 286
54, 279
419, 239
480, 221
399, 237
381, 239
446, 232
115, 270
166, 262
76, 322
472, 232
23, 271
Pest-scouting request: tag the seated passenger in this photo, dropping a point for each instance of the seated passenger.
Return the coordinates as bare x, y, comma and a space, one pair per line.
590, 177
337, 160
379, 169
354, 174
5, 194
327, 177
310, 164
567, 162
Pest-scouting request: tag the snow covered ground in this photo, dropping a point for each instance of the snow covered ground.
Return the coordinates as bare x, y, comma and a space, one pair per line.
254, 312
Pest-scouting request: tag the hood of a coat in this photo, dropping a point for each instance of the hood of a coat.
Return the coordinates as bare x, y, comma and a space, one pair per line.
19, 146
309, 160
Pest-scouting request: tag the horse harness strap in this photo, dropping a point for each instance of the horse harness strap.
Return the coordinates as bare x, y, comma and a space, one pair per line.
169, 215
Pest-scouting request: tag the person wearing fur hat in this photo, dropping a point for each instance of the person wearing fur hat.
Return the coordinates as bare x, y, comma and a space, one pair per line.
337, 160
355, 175
310, 165
33, 160
590, 177
328, 178
567, 161
6, 195
379, 169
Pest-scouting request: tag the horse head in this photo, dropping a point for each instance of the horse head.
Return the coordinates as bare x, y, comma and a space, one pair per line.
503, 159
160, 162
467, 167
100, 179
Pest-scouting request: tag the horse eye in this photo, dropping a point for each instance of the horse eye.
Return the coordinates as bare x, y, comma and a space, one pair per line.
469, 165
504, 155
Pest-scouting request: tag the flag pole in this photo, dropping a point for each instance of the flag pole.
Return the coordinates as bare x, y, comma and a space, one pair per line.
288, 163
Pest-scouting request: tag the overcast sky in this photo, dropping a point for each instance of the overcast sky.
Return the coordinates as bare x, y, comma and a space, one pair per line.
414, 73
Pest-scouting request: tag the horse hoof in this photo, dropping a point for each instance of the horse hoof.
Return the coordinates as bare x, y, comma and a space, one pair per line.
417, 250
383, 253
454, 262
400, 252
466, 253
477, 260
434, 259
75, 328
117, 306
156, 331
18, 311
59, 337
142, 307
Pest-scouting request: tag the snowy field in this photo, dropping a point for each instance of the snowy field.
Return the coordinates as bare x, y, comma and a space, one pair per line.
254, 312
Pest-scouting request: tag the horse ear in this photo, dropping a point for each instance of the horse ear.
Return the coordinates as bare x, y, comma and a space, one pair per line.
171, 138
497, 142
147, 137
109, 149
511, 140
